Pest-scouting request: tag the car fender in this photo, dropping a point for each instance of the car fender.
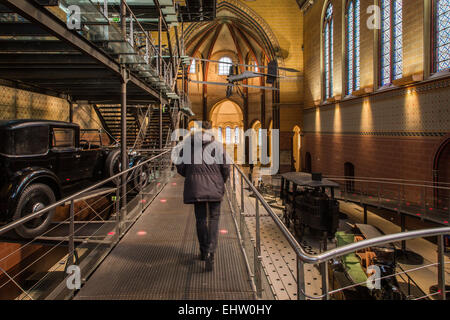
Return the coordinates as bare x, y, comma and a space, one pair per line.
22, 179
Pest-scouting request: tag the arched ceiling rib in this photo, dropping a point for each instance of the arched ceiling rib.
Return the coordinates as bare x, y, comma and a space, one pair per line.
244, 20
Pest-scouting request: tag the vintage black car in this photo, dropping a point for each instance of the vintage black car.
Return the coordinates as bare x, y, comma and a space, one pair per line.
40, 162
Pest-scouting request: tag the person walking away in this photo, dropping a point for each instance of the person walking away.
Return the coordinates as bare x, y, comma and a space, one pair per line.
204, 186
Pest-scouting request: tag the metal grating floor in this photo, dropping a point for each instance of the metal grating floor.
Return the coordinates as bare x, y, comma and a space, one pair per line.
158, 258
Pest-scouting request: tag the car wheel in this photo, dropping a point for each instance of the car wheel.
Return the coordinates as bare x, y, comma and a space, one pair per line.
141, 177
34, 198
113, 165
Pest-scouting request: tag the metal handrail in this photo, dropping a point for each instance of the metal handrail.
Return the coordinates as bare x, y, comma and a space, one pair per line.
372, 179
389, 182
334, 253
18, 222
322, 258
340, 251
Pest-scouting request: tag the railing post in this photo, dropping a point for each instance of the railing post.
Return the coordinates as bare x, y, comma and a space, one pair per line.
118, 211
379, 195
234, 179
361, 192
324, 275
345, 192
142, 199
424, 200
258, 250
403, 228
365, 214
441, 267
70, 258
242, 193
301, 290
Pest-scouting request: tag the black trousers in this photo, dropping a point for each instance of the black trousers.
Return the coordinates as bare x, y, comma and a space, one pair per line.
207, 215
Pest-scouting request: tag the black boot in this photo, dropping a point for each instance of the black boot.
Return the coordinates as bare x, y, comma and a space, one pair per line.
203, 255
209, 265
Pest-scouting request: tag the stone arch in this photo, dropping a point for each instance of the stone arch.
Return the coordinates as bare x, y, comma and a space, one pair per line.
441, 174
255, 124
230, 112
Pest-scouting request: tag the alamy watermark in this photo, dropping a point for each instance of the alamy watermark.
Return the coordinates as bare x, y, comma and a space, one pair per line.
74, 17
73, 281
374, 279
374, 20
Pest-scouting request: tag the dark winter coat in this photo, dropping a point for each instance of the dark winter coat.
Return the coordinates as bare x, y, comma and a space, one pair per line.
204, 182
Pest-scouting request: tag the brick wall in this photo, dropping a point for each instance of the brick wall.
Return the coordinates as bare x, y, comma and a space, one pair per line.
391, 134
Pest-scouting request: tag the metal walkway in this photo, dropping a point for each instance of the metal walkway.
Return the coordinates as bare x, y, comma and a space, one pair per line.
158, 258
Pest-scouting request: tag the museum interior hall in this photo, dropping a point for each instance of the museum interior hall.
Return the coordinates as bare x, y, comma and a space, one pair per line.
333, 117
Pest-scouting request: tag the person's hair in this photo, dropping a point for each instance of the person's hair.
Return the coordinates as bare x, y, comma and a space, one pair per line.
206, 125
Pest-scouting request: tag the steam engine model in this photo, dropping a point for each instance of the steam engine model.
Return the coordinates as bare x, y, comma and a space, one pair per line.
307, 203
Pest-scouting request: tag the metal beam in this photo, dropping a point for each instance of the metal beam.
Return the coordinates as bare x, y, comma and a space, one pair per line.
24, 74
51, 66
44, 58
47, 21
112, 100
20, 29
28, 46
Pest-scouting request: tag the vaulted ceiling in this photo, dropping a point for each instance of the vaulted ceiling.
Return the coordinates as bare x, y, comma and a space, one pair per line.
235, 28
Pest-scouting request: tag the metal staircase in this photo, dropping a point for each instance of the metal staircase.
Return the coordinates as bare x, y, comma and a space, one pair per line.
151, 139
109, 116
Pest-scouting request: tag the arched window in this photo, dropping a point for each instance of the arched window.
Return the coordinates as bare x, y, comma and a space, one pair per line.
219, 134
391, 64
224, 66
260, 137
441, 35
308, 162
227, 135
193, 67
236, 135
349, 172
353, 46
328, 52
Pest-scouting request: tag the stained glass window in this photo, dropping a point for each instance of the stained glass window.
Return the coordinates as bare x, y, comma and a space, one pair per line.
442, 35
224, 66
328, 52
391, 41
353, 46
236, 135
